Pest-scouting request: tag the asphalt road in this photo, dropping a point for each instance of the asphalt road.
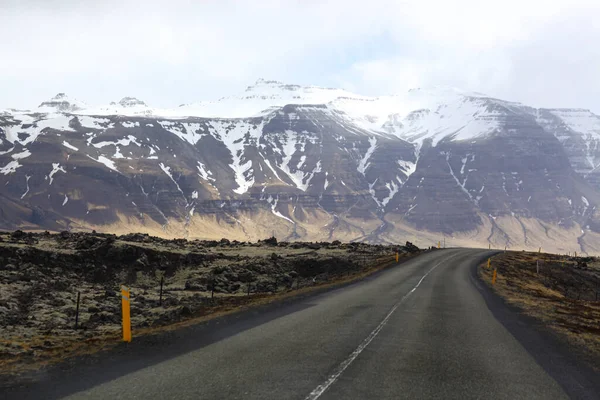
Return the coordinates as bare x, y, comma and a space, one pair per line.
424, 329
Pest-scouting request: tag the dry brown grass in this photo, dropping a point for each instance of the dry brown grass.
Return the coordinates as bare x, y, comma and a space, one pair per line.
552, 295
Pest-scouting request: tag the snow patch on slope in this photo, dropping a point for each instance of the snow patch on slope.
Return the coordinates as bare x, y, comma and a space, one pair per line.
420, 115
121, 142
10, 168
129, 124
407, 167
273, 203
372, 191
95, 122
184, 130
35, 128
585, 201
18, 156
107, 162
289, 148
299, 174
7, 151
582, 121
393, 187
27, 177
55, 168
69, 146
167, 170
461, 185
236, 136
204, 174
364, 162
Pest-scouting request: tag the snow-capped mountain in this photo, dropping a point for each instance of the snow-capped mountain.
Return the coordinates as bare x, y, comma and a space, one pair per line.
262, 98
61, 103
308, 163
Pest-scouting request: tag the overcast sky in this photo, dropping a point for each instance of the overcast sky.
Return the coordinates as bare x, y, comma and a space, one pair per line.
542, 53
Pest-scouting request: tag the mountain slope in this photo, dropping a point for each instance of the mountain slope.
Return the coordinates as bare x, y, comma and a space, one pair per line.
308, 163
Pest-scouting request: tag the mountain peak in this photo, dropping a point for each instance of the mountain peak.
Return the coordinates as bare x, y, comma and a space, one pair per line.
263, 97
272, 89
269, 84
445, 90
262, 84
61, 102
262, 81
128, 102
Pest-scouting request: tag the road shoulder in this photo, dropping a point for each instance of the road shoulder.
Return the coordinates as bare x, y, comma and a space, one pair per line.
564, 362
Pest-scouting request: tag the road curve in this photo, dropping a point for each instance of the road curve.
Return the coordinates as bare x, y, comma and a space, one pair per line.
424, 329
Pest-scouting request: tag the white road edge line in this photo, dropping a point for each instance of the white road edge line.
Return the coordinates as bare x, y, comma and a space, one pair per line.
319, 390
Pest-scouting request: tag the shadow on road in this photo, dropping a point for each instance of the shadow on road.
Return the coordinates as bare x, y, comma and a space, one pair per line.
82, 373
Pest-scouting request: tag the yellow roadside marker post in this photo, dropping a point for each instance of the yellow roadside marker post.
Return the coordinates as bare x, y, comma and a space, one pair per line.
126, 313
397, 257
494, 277
489, 262
439, 244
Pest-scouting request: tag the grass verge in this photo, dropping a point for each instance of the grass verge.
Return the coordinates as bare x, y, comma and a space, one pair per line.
560, 292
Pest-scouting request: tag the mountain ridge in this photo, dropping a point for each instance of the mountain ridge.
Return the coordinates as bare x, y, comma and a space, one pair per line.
479, 169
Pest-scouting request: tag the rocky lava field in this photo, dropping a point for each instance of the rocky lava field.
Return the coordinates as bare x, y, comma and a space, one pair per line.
41, 275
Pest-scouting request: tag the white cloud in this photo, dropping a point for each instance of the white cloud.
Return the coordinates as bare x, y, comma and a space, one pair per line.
543, 54
167, 53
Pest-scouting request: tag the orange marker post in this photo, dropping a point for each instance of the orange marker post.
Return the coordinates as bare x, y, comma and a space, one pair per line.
126, 314
397, 257
494, 277
489, 262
